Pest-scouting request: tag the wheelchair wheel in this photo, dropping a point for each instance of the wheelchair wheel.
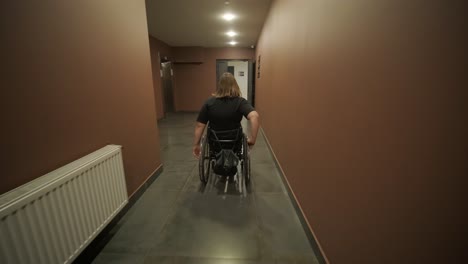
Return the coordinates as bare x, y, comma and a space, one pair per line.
245, 161
204, 161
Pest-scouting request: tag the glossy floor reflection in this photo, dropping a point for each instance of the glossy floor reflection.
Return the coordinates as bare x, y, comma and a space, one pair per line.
179, 220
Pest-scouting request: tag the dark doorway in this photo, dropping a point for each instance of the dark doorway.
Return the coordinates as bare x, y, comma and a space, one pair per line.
168, 94
252, 83
221, 67
231, 69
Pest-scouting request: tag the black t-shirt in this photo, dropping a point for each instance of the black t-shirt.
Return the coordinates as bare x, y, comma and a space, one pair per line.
224, 113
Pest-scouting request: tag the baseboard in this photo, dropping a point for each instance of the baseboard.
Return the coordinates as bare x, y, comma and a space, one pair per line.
322, 259
186, 111
95, 247
142, 188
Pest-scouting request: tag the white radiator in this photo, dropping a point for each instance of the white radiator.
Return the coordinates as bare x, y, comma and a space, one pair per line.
53, 218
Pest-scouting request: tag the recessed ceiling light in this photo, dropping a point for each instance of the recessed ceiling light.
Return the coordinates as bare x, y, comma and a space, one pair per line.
233, 43
231, 33
229, 16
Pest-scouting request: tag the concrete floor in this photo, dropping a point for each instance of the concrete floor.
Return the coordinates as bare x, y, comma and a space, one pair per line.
179, 220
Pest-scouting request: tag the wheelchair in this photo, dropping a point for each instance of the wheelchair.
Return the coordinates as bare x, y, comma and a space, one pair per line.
213, 142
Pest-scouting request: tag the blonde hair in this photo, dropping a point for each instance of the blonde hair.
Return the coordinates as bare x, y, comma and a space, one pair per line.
227, 86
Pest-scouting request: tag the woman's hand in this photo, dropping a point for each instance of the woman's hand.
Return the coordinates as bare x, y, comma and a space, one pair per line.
250, 142
196, 151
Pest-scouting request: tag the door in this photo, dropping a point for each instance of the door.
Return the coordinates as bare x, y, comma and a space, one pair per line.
168, 94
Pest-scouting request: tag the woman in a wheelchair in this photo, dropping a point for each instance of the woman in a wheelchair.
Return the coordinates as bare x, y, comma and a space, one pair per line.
223, 113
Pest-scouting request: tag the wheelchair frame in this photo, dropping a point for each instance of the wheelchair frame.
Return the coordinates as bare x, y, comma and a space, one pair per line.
208, 155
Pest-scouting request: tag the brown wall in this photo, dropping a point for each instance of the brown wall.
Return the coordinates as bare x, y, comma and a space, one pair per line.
76, 77
372, 102
164, 50
194, 83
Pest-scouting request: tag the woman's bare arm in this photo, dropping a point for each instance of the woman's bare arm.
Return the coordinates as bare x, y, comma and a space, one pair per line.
199, 128
253, 117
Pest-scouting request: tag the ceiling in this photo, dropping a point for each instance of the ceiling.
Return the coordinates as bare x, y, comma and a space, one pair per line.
199, 22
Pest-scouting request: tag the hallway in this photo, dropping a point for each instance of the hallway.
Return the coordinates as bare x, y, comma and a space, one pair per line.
177, 220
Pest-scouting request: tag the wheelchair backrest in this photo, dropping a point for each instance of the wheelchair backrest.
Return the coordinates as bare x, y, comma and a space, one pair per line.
225, 139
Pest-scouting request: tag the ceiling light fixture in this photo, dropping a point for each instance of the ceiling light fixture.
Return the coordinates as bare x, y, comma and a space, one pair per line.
228, 16
233, 43
231, 33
